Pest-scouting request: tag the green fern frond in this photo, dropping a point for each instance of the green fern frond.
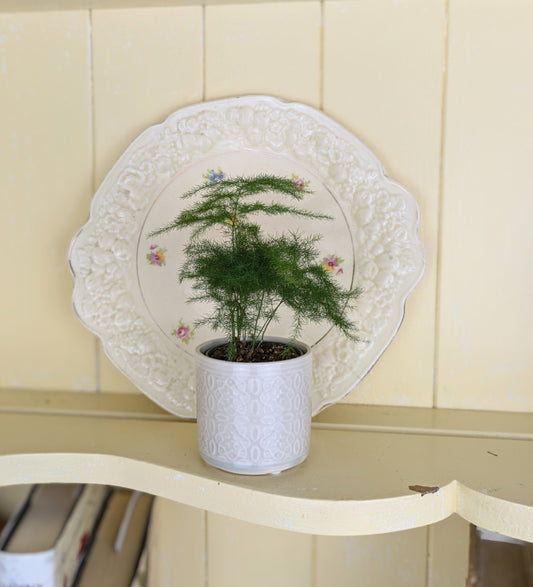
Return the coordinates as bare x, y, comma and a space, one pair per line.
246, 275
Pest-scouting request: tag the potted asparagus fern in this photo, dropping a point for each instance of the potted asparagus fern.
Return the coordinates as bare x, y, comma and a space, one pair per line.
254, 391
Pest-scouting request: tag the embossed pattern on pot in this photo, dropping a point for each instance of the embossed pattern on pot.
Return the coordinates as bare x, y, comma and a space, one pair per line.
254, 418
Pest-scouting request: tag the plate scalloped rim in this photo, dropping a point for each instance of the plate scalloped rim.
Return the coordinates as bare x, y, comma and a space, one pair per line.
384, 220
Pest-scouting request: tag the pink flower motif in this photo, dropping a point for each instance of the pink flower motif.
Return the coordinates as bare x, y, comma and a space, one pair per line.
332, 263
299, 183
182, 332
156, 256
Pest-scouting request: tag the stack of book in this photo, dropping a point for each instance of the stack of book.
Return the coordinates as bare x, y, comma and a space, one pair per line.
67, 535
116, 557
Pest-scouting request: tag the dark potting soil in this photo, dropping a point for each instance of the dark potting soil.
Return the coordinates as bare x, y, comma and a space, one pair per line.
262, 353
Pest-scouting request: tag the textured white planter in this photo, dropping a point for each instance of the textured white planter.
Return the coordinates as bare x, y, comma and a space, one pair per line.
253, 418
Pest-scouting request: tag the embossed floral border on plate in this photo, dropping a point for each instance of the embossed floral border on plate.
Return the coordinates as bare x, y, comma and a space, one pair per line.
384, 223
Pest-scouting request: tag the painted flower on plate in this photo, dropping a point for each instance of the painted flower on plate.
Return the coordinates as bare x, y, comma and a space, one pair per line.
214, 176
156, 256
183, 332
300, 183
332, 264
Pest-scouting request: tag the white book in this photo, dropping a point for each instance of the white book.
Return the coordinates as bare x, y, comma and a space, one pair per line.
46, 541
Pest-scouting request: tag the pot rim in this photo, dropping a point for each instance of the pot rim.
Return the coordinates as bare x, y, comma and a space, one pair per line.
214, 342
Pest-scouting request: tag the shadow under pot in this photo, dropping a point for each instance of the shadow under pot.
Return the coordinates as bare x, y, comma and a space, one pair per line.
254, 418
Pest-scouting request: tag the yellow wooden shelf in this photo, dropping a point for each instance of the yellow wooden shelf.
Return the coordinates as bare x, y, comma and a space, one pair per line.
355, 481
45, 5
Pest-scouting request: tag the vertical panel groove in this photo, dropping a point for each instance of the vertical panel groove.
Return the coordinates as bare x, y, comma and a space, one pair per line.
314, 563
321, 56
91, 97
429, 547
206, 538
204, 57
92, 135
438, 273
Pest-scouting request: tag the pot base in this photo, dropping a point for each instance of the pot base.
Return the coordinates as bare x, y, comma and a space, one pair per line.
250, 469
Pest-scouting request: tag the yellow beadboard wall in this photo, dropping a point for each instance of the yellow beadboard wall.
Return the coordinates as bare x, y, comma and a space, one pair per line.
441, 90
222, 552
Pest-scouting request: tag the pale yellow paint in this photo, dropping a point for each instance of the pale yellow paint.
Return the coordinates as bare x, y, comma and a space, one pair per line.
448, 553
66, 403
10, 499
486, 282
45, 190
345, 417
129, 443
363, 61
264, 49
140, 73
383, 81
242, 554
147, 63
397, 559
481, 478
176, 545
54, 5
446, 422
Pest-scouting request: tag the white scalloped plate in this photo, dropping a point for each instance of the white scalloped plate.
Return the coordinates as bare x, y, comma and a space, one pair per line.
125, 285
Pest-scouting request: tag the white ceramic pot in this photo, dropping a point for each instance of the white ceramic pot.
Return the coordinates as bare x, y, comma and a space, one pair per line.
253, 418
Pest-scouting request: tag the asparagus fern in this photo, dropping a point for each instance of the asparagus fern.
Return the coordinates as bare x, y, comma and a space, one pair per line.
247, 275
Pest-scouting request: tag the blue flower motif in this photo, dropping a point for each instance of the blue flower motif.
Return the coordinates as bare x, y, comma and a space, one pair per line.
214, 176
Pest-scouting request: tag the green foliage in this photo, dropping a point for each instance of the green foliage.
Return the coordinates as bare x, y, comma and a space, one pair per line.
248, 275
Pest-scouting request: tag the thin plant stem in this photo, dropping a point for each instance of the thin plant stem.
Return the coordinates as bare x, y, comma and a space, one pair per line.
258, 314
263, 330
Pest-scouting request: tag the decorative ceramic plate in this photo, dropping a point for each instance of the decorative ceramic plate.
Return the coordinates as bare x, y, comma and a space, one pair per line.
126, 287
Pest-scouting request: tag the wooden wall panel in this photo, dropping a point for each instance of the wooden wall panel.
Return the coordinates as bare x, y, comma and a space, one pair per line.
448, 552
176, 545
383, 63
147, 64
45, 191
376, 80
241, 554
397, 559
486, 282
269, 48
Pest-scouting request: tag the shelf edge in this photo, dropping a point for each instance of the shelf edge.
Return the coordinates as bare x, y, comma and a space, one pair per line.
301, 515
